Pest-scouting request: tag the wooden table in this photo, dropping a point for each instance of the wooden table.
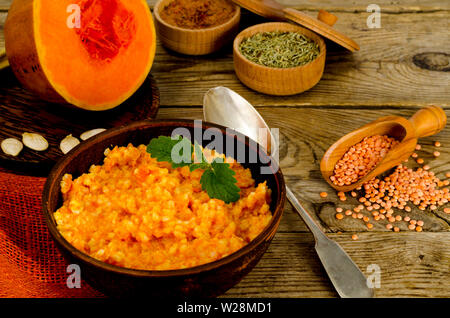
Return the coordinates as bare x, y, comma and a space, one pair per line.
401, 67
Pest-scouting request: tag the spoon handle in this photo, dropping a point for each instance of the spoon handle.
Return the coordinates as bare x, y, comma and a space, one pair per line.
346, 277
310, 222
429, 121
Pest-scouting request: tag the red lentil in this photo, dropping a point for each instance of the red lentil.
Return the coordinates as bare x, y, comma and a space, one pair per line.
323, 194
403, 185
361, 159
419, 186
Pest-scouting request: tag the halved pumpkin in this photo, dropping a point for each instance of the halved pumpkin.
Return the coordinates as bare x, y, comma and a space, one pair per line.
93, 54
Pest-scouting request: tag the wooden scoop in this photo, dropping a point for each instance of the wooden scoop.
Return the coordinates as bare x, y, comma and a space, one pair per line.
273, 10
426, 122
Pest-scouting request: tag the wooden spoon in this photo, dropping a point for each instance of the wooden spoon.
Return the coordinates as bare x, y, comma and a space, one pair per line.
426, 122
273, 10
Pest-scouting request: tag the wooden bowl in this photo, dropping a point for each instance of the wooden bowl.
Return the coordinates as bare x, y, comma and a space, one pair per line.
278, 81
208, 280
198, 41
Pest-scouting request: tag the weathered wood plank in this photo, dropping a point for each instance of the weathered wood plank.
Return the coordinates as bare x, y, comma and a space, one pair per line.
358, 6
339, 6
305, 135
411, 265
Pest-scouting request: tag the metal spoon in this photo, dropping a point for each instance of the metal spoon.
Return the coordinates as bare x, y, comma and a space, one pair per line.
225, 107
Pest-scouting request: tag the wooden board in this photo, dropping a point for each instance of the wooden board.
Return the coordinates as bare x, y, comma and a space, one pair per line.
21, 111
342, 6
410, 266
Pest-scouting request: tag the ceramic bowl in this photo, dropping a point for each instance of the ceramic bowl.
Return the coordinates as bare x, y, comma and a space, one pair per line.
208, 280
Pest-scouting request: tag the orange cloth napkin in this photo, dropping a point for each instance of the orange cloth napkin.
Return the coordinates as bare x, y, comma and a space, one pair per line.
30, 264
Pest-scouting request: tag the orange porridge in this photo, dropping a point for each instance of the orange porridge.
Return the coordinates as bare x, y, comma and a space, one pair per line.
135, 212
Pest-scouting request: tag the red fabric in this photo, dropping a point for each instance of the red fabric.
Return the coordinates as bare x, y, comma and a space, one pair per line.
30, 264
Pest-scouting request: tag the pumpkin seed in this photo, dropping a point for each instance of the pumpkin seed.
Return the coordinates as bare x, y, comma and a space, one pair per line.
91, 133
68, 143
34, 141
12, 146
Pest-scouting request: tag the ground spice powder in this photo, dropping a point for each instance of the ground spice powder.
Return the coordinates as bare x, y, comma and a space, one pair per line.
198, 14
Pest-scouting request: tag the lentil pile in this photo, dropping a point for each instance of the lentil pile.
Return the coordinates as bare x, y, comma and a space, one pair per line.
361, 158
403, 189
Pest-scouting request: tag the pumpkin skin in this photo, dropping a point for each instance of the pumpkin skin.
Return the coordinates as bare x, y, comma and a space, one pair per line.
93, 60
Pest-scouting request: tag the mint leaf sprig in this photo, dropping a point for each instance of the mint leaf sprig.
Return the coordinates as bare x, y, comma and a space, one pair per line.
217, 179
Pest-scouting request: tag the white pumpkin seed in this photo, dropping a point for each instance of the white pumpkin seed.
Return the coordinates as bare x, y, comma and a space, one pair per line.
68, 143
12, 146
34, 141
91, 133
